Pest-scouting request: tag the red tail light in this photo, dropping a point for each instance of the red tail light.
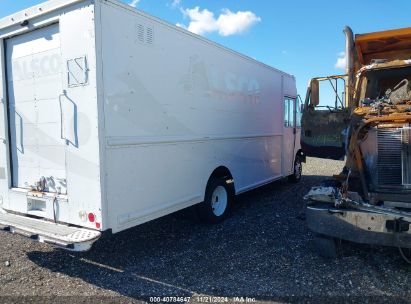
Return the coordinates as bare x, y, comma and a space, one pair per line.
91, 217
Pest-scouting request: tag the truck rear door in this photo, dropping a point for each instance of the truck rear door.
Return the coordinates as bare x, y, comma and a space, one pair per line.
34, 84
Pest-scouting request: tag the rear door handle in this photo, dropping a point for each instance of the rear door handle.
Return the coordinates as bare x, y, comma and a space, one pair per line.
62, 135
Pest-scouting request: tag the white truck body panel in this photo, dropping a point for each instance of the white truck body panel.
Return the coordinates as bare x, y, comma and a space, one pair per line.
139, 114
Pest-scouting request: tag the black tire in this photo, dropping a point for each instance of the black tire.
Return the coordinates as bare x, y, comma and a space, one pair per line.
298, 171
326, 246
213, 209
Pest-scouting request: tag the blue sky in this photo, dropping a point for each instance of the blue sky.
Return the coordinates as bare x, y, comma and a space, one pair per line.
303, 38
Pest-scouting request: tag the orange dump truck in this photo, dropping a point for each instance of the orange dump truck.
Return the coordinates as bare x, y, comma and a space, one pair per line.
368, 124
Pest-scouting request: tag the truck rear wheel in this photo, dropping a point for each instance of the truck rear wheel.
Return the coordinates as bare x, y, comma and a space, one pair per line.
298, 171
218, 199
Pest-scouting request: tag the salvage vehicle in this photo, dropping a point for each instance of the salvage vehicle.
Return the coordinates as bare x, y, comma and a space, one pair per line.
112, 118
368, 124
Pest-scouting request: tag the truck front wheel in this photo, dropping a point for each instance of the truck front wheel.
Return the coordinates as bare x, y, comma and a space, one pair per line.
298, 171
218, 199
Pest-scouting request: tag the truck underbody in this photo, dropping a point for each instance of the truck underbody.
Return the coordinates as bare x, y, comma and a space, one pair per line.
334, 216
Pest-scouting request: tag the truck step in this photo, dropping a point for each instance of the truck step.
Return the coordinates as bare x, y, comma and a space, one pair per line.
60, 235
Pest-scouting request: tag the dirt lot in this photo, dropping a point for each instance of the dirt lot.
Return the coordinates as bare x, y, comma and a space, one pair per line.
263, 251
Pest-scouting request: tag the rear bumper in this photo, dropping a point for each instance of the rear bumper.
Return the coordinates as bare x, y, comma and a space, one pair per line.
359, 226
63, 236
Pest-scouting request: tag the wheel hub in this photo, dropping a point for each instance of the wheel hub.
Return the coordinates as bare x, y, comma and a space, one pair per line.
219, 200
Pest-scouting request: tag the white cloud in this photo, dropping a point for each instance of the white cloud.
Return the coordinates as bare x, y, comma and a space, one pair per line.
176, 3
341, 61
134, 3
201, 21
227, 23
230, 23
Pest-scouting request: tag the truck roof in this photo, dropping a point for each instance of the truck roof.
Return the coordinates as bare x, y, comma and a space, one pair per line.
53, 5
390, 45
35, 11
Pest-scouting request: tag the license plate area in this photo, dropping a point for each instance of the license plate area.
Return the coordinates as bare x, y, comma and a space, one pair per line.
36, 205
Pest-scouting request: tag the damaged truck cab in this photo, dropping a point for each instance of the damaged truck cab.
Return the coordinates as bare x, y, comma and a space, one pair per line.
370, 201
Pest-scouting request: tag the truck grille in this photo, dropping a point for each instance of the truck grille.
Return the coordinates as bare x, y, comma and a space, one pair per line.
394, 157
389, 157
406, 157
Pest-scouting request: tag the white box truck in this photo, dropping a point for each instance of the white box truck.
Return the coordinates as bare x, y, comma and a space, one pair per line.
111, 118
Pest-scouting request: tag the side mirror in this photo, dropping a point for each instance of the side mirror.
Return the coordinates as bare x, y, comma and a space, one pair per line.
315, 92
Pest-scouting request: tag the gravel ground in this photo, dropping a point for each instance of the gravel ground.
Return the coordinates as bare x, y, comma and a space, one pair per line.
263, 251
